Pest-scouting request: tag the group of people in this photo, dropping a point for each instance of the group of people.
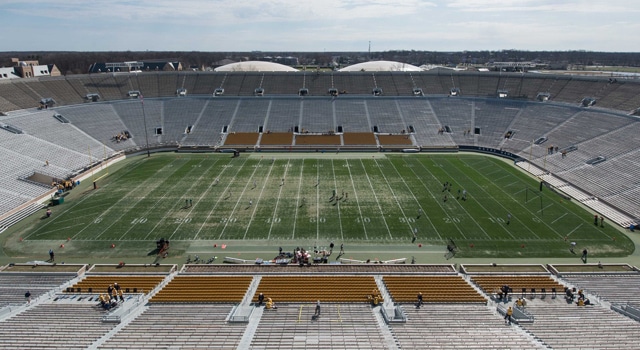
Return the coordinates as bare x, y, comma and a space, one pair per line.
121, 136
269, 304
62, 185
302, 256
503, 293
109, 299
570, 295
446, 188
375, 297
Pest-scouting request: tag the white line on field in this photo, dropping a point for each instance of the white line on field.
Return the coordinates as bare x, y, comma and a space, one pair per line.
561, 216
275, 208
295, 215
355, 194
222, 194
335, 183
376, 197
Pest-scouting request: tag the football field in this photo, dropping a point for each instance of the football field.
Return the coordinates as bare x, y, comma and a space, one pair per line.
488, 207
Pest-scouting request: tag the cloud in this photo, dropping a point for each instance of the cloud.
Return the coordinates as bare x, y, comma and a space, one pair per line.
215, 11
294, 25
533, 6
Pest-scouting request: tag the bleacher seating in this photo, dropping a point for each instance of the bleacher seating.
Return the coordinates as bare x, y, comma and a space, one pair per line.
63, 90
458, 326
179, 326
54, 325
528, 286
434, 289
14, 285
340, 326
344, 289
618, 289
593, 327
75, 321
128, 283
204, 289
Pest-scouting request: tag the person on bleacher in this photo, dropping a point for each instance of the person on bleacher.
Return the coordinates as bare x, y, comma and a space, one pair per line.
419, 303
507, 316
505, 292
104, 301
260, 299
117, 291
270, 304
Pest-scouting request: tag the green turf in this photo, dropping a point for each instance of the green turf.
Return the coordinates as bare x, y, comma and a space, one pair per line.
143, 199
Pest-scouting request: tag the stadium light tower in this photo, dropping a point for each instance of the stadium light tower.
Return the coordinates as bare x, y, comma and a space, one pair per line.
144, 120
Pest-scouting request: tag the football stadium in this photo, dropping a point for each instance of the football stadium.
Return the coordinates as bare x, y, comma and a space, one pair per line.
377, 207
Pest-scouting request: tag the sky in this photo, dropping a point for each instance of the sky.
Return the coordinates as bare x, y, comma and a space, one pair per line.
319, 26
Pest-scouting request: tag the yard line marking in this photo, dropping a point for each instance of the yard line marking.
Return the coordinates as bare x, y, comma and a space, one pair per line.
275, 208
561, 216
60, 229
502, 177
539, 210
376, 198
424, 212
318, 196
145, 183
222, 194
239, 197
355, 194
518, 192
194, 184
437, 200
78, 203
574, 230
161, 199
395, 197
335, 183
480, 188
295, 215
177, 203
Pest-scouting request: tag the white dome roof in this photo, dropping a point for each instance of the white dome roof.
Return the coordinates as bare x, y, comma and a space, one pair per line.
381, 66
255, 66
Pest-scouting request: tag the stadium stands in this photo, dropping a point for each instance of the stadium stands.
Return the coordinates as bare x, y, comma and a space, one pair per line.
434, 289
528, 286
458, 326
555, 319
129, 284
179, 326
55, 325
340, 326
595, 132
351, 289
194, 310
618, 289
14, 285
204, 289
